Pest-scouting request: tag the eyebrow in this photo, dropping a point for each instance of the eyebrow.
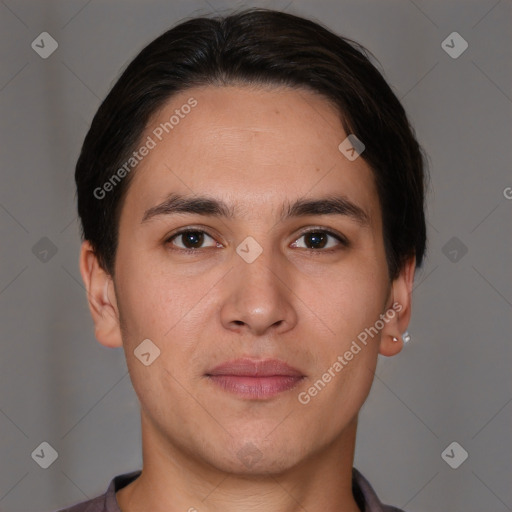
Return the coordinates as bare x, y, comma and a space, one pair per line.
207, 206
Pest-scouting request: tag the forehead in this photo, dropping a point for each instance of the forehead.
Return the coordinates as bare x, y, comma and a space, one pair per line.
250, 145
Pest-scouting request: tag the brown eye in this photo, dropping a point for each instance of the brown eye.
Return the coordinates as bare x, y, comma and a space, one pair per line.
320, 239
190, 239
316, 240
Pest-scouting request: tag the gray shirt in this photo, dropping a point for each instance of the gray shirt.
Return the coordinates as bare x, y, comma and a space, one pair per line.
364, 495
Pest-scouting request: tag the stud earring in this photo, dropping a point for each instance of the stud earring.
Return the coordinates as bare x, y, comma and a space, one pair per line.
406, 337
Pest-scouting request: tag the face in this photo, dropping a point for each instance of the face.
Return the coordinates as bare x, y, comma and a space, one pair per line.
266, 268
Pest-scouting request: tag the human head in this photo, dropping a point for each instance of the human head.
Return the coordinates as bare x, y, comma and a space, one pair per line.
256, 46
257, 128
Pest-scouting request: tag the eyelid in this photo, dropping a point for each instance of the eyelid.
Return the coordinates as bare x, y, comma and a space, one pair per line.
343, 241
316, 229
189, 229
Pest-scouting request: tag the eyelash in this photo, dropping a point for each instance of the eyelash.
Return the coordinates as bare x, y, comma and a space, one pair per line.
341, 239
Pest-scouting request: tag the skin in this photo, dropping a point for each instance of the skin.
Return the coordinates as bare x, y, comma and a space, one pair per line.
255, 149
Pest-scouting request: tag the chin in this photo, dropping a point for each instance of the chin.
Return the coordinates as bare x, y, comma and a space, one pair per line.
258, 458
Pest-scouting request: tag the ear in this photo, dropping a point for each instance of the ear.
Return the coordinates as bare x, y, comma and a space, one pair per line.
398, 310
101, 297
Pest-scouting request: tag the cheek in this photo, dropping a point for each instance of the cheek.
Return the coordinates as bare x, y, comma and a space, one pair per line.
349, 300
163, 306
347, 355
147, 303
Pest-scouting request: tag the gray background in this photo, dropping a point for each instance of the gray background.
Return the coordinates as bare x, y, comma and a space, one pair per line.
452, 380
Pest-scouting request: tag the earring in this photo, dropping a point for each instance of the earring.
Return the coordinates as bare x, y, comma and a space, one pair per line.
406, 337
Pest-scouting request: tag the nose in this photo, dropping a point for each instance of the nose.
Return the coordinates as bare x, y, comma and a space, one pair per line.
259, 297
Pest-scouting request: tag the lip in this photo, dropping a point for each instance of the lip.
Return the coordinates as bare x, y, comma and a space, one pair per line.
248, 367
255, 378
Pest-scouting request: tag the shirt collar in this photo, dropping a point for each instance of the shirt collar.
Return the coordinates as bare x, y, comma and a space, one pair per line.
359, 483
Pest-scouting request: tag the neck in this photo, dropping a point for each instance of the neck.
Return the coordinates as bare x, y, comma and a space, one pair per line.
174, 480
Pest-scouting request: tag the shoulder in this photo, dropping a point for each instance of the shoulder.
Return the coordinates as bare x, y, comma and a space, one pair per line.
94, 505
98, 504
106, 502
369, 497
